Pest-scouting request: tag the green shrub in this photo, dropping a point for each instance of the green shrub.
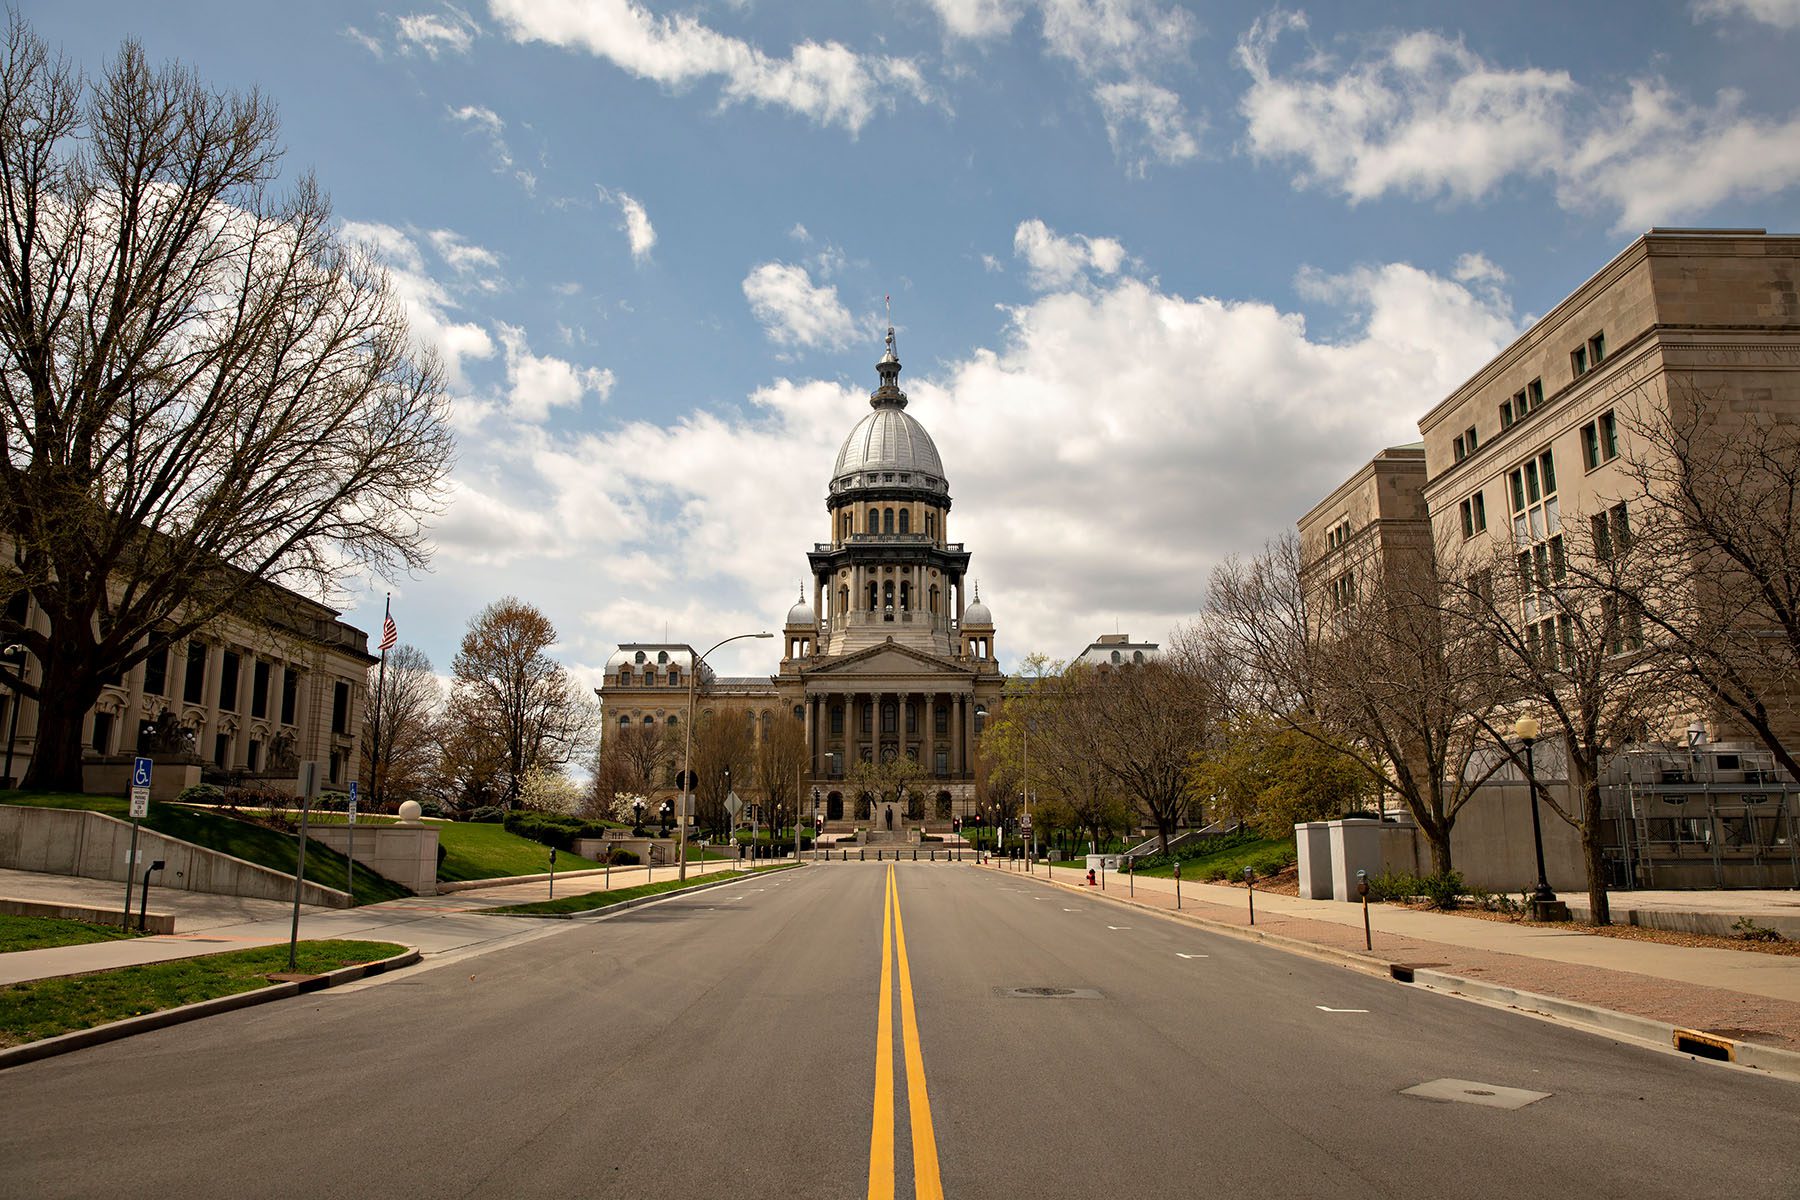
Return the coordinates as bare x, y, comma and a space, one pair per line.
247, 797
623, 858
202, 793
1443, 889
332, 802
487, 814
1393, 885
552, 830
1746, 929
431, 808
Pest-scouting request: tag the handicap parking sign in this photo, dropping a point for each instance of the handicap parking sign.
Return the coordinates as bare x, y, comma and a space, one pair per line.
140, 772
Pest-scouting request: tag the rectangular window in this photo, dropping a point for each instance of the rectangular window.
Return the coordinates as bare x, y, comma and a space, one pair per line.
942, 765
156, 673
941, 722
253, 755
193, 689
259, 690
1578, 361
1474, 515
1590, 445
837, 719
221, 747
340, 707
868, 718
1596, 349
1506, 414
1600, 440
228, 681
1620, 525
103, 730
1609, 436
1559, 563
1469, 438
1534, 392
337, 766
290, 694
1456, 448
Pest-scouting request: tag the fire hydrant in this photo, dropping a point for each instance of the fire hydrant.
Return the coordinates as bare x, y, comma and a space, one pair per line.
1090, 881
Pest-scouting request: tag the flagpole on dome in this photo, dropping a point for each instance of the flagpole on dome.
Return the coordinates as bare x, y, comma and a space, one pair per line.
390, 633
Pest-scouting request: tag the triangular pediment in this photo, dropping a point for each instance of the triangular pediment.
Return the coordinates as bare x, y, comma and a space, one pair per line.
891, 659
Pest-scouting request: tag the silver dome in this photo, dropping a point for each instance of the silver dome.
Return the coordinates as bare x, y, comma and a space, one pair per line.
889, 440
977, 613
802, 614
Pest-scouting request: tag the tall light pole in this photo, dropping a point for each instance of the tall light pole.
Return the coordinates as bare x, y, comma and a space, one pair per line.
687, 751
1527, 730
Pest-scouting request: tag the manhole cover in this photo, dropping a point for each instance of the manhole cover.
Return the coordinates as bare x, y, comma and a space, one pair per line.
1047, 993
1467, 1091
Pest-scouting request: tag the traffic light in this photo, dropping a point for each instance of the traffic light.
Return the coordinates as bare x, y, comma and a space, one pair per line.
818, 823
956, 824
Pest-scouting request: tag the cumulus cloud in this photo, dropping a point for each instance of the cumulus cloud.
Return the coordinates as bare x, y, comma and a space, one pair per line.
462, 256
430, 34
793, 310
1782, 14
825, 81
535, 384
978, 18
1126, 36
1423, 115
429, 305
1147, 124
1053, 261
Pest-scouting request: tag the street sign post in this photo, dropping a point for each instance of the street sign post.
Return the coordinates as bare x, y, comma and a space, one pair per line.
141, 768
308, 787
350, 854
734, 806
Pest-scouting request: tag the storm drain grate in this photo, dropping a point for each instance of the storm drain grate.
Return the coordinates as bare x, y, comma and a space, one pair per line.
1047, 993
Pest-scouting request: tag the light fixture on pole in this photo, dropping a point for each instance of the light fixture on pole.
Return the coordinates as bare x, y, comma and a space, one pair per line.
687, 750
1543, 899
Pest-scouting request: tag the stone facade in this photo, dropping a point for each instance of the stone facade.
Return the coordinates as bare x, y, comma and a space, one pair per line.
885, 658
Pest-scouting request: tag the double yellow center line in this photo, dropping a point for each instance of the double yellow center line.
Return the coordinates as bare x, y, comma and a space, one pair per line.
926, 1184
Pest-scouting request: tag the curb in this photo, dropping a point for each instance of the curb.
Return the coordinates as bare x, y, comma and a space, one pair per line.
640, 901
112, 1031
1692, 1043
473, 885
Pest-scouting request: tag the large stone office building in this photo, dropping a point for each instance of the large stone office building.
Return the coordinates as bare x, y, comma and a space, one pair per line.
892, 654
1529, 460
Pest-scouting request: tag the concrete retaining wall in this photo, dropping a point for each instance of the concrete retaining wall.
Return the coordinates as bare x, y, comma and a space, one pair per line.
112, 777
406, 854
155, 922
73, 841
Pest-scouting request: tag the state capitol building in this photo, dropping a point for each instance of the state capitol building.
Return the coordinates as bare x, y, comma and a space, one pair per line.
890, 656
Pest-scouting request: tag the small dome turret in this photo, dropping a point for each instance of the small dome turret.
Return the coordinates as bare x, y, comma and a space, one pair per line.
977, 613
802, 613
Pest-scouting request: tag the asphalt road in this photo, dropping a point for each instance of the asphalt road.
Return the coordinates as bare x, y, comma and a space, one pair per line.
726, 1044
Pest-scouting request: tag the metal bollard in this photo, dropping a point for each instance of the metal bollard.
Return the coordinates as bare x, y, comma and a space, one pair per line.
1362, 888
1178, 885
1250, 883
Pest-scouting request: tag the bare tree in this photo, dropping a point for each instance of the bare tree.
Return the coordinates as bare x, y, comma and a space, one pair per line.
1571, 648
1144, 725
403, 762
1714, 514
1043, 721
1382, 672
632, 760
508, 690
203, 391
780, 761
723, 760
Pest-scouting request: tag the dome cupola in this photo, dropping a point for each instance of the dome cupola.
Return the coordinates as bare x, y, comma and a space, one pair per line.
888, 449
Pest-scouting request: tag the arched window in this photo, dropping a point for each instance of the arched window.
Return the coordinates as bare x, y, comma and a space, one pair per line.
640, 657
905, 521
930, 524
834, 806
843, 601
649, 720
671, 720
874, 520
624, 722
1117, 658
887, 520
799, 712
934, 599
662, 656
1137, 656
874, 596
905, 595
980, 719
889, 717
888, 594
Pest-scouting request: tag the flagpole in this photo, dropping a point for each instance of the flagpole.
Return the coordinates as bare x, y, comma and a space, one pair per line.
375, 794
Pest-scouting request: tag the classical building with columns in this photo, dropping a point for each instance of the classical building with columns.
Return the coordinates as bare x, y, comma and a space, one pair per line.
893, 654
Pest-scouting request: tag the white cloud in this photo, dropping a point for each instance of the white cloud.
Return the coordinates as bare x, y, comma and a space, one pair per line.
1423, 115
367, 41
536, 384
638, 230
1782, 14
828, 82
430, 33
793, 310
463, 257
1053, 261
427, 302
1477, 268
1128, 36
1147, 124
978, 18
1139, 436
800, 233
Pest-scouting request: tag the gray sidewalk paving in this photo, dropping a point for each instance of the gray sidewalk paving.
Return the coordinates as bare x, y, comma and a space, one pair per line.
1772, 976
438, 926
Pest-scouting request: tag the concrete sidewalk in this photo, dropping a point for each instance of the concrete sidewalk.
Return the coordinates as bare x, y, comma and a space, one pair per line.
452, 924
1748, 993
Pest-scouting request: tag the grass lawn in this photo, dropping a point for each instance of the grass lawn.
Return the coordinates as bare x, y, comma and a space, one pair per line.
596, 900
215, 831
1232, 860
39, 933
44, 1008
475, 850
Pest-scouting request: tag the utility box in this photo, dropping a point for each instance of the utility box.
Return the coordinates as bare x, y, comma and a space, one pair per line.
1313, 841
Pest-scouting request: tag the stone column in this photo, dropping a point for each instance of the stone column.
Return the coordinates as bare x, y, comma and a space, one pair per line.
929, 749
852, 747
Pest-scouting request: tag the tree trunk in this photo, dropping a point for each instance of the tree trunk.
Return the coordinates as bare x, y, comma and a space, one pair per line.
64, 698
1591, 851
1439, 840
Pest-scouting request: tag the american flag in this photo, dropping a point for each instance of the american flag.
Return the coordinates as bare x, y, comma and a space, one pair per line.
390, 633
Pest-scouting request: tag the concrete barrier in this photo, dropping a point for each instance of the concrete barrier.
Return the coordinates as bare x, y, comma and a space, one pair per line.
73, 841
406, 854
155, 922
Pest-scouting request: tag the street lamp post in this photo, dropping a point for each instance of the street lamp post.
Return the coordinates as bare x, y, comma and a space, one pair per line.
1543, 898
687, 749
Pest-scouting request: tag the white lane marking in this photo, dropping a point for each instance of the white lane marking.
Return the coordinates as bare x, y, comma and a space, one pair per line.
1118, 927
1071, 910
1179, 954
1322, 1008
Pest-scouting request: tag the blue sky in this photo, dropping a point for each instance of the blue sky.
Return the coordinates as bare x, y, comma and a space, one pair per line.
1163, 274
